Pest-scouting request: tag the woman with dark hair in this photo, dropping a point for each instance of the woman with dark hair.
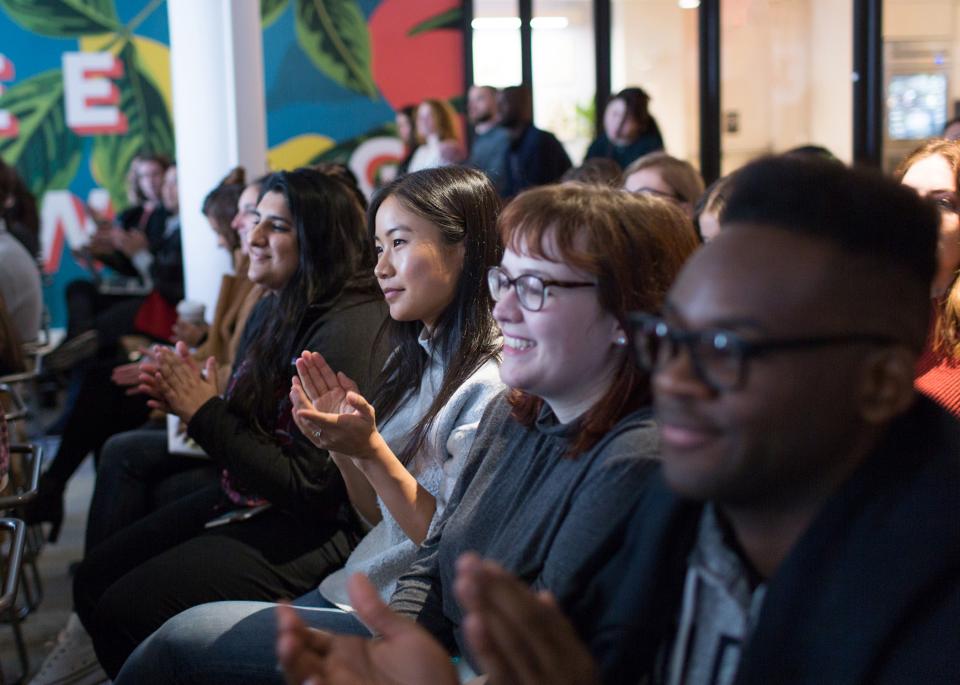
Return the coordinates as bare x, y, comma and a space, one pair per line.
310, 252
435, 233
933, 170
629, 130
102, 391
19, 211
560, 462
20, 286
406, 119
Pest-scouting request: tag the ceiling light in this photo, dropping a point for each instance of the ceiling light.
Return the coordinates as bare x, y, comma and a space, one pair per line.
688, 4
549, 22
495, 23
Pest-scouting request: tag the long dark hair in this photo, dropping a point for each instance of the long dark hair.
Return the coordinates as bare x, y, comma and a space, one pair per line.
463, 204
220, 206
334, 253
637, 104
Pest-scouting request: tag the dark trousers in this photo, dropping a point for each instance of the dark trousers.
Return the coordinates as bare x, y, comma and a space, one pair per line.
137, 475
112, 316
131, 583
96, 411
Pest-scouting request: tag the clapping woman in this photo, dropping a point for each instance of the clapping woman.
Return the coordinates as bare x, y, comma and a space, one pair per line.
400, 453
310, 251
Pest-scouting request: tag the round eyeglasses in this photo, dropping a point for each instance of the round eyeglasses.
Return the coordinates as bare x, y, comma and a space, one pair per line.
531, 290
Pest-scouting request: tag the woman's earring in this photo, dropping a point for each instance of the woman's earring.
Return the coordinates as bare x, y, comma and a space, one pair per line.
621, 340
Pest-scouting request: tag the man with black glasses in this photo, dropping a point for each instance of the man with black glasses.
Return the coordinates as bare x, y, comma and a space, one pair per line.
806, 523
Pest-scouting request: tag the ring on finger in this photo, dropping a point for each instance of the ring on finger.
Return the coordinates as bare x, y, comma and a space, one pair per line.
317, 433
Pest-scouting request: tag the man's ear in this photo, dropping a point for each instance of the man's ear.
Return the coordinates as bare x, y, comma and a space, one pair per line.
886, 383
8, 203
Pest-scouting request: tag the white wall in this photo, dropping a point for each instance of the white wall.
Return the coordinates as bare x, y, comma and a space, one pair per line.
216, 63
654, 46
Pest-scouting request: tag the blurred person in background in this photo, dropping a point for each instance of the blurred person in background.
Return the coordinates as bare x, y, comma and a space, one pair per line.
535, 157
488, 151
667, 177
439, 136
933, 170
629, 130
20, 286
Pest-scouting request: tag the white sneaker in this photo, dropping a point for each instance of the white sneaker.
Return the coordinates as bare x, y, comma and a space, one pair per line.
72, 661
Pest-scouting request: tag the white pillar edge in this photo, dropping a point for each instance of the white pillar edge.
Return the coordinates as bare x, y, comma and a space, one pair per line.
219, 115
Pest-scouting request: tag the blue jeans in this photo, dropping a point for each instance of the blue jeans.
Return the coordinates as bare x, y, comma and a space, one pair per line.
226, 642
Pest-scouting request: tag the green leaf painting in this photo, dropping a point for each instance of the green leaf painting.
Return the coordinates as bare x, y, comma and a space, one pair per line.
46, 152
341, 153
270, 10
334, 35
63, 18
450, 19
148, 127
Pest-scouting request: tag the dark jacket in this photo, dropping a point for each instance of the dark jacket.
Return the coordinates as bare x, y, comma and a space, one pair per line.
285, 468
869, 594
534, 158
166, 270
644, 144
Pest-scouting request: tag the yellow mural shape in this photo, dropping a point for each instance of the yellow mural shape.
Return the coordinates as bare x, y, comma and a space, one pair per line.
297, 151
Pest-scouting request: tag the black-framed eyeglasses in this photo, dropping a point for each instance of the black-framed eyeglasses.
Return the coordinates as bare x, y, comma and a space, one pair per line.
531, 290
719, 357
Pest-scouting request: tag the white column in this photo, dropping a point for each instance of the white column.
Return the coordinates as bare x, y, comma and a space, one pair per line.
219, 116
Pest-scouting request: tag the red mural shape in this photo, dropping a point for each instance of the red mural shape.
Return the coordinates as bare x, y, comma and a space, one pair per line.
409, 69
9, 125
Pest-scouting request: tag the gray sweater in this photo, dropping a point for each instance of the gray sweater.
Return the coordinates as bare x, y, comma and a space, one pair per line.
386, 551
549, 519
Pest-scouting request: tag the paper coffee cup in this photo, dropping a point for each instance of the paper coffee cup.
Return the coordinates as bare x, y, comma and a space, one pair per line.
191, 312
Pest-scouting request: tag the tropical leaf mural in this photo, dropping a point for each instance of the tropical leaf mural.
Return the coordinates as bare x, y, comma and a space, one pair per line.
352, 61
448, 19
270, 10
334, 35
149, 127
63, 18
45, 152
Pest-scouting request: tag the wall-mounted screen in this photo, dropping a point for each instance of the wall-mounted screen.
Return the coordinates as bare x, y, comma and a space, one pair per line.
916, 105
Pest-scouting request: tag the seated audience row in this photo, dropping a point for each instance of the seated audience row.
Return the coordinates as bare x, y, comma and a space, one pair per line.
796, 456
669, 472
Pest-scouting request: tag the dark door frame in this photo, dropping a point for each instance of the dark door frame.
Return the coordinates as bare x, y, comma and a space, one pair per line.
867, 77
868, 83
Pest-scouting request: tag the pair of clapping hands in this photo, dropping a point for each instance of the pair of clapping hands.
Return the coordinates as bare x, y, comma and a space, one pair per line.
518, 637
172, 379
329, 409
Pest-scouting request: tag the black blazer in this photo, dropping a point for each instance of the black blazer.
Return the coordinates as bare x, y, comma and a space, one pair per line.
869, 594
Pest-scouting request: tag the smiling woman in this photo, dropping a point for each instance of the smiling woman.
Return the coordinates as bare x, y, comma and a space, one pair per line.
309, 249
557, 462
273, 243
933, 170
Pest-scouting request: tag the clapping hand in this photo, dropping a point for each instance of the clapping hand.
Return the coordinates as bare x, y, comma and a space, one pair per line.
128, 375
404, 653
329, 410
517, 636
129, 242
177, 383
